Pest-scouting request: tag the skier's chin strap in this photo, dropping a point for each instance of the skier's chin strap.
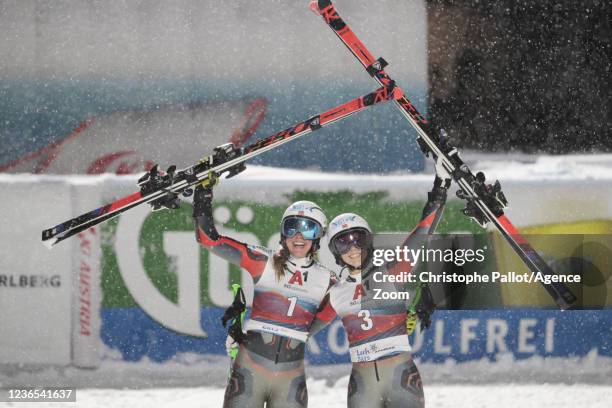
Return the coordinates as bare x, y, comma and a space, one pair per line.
364, 263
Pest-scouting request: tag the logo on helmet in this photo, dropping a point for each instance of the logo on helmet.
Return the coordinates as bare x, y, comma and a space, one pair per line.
344, 221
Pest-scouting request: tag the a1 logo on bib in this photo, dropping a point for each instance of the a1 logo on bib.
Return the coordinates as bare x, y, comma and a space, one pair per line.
359, 292
297, 278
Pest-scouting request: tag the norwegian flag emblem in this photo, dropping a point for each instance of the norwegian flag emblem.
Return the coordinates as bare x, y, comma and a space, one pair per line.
344, 225
300, 212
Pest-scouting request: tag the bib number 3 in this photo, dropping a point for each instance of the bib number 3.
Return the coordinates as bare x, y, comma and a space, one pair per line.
367, 322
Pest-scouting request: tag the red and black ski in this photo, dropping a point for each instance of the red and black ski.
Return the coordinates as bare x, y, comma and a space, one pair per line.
486, 203
225, 158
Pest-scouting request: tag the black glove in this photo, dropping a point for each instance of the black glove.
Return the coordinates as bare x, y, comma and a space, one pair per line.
156, 180
425, 307
437, 194
203, 195
233, 314
236, 308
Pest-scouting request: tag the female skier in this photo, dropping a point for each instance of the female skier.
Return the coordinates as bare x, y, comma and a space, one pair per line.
383, 373
289, 287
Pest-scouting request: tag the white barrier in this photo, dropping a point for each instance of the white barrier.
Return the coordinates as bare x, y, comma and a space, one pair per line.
35, 284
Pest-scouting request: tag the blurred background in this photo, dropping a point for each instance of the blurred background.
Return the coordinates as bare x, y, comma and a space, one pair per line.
521, 75
144, 76
93, 93
169, 81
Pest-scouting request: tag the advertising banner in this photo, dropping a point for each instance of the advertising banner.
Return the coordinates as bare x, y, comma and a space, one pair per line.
163, 294
141, 286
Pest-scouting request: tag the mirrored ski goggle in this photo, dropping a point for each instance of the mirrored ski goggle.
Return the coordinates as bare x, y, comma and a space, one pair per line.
359, 238
309, 228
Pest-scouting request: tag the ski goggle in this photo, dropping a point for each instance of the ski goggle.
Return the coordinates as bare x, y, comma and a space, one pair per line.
359, 238
309, 228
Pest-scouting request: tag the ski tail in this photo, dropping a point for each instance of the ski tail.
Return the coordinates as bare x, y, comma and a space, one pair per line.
225, 158
560, 293
485, 203
81, 223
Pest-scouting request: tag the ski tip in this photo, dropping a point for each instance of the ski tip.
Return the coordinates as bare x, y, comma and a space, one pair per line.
314, 6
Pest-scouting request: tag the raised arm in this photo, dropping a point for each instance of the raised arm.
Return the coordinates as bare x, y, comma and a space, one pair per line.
252, 259
422, 304
432, 212
430, 218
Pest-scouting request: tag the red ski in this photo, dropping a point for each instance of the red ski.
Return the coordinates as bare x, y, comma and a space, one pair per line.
225, 158
486, 203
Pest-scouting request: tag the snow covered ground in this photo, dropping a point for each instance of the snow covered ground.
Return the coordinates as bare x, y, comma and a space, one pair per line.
198, 381
535, 382
322, 395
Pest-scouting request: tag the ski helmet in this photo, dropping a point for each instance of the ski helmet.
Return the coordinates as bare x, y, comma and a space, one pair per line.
307, 218
341, 226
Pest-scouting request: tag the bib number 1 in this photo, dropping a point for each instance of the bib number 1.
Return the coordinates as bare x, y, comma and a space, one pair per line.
292, 303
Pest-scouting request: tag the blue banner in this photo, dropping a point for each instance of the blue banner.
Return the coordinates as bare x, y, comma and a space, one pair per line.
457, 335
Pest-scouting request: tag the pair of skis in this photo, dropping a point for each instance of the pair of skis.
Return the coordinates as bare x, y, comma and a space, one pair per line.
156, 186
485, 203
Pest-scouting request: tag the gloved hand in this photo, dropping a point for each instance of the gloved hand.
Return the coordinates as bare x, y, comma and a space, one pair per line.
156, 180
210, 181
203, 195
441, 184
425, 306
231, 347
235, 315
411, 322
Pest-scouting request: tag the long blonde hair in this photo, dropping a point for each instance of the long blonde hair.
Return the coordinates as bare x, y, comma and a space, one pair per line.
280, 259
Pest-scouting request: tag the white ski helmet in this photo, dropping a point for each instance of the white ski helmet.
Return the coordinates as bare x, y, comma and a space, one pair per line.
307, 209
349, 222
345, 222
